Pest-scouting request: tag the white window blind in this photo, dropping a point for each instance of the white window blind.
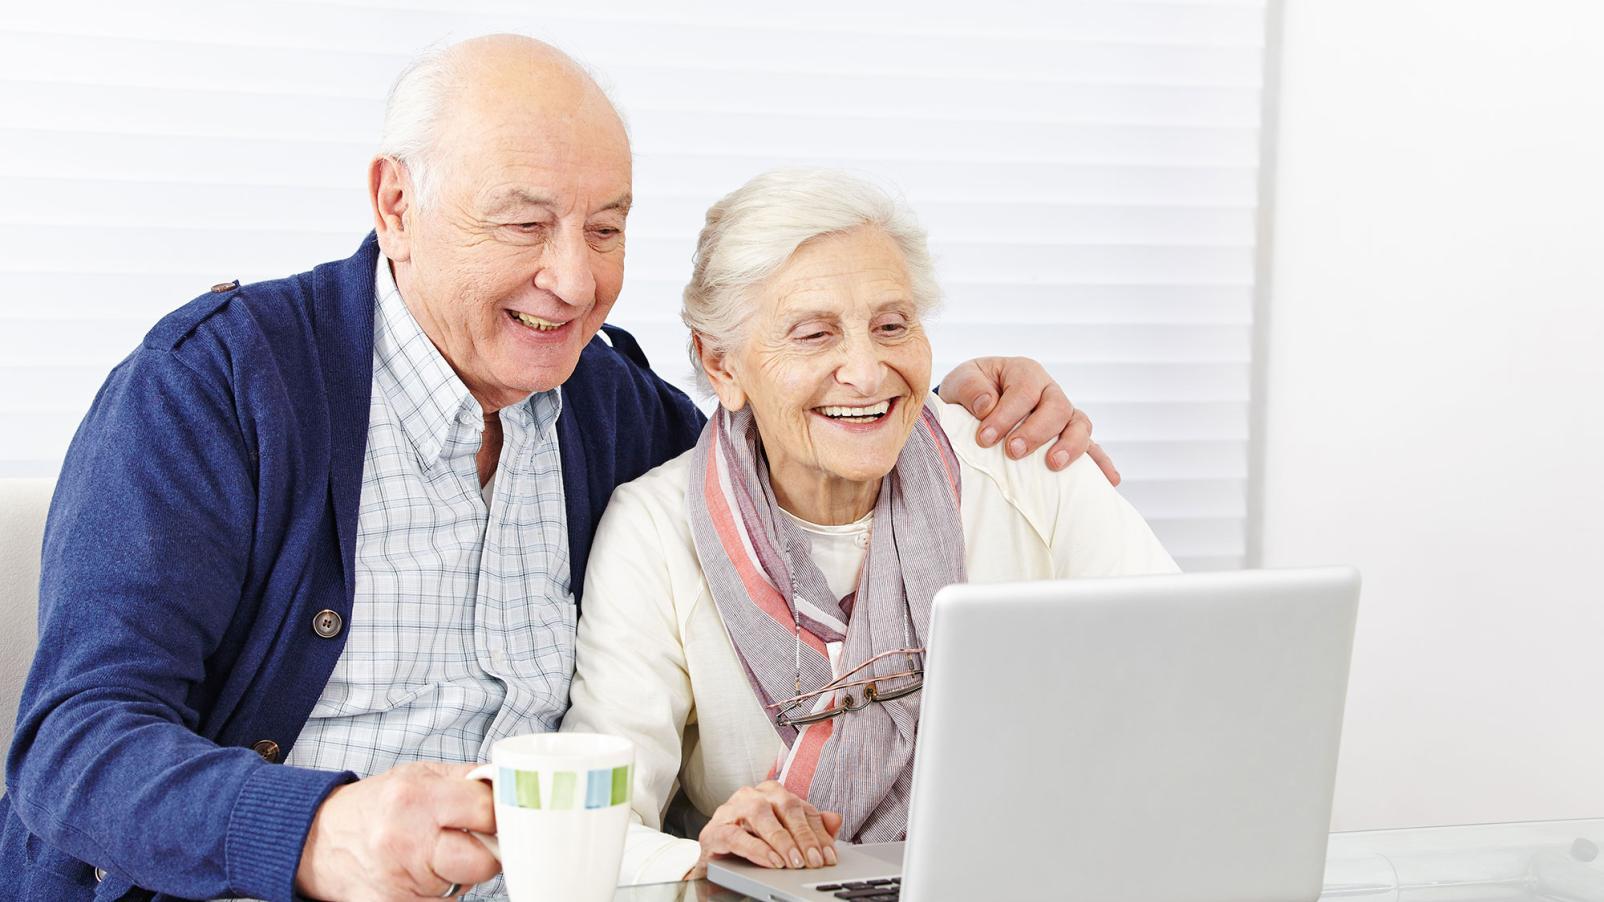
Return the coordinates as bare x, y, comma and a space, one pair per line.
1088, 172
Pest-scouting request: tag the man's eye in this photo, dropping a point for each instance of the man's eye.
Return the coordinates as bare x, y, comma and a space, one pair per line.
606, 238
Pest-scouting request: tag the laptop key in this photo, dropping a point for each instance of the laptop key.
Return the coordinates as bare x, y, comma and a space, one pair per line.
827, 887
868, 892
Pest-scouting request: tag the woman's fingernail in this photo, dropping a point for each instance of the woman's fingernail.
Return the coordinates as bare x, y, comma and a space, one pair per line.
815, 860
776, 860
829, 854
1017, 447
1060, 458
796, 859
988, 435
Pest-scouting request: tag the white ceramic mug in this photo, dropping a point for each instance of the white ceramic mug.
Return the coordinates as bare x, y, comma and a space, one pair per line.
562, 809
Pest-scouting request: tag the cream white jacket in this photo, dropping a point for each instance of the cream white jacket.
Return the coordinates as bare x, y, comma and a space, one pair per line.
656, 665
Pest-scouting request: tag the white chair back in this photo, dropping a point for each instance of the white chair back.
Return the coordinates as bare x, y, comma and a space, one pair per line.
23, 504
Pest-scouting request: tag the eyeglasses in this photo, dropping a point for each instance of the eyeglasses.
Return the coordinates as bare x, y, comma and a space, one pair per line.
879, 688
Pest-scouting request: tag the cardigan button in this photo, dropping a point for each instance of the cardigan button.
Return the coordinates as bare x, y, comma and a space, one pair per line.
268, 749
100, 875
225, 287
327, 623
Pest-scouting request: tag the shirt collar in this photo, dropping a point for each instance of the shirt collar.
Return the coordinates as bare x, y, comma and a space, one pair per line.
426, 393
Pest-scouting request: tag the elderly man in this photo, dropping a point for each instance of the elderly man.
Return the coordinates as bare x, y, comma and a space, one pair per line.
336, 524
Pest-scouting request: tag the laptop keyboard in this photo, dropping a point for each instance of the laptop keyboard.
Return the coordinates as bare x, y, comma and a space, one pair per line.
886, 889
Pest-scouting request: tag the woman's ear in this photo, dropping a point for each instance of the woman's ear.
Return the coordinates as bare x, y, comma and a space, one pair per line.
716, 365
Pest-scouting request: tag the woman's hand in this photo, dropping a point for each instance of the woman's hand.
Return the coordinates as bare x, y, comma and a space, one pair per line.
769, 825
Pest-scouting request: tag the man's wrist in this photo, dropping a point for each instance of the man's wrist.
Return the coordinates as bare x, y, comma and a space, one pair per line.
307, 868
268, 827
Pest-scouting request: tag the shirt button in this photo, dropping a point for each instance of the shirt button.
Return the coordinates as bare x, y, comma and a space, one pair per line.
327, 623
268, 749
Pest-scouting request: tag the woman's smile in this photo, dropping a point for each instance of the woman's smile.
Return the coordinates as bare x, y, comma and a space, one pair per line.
857, 417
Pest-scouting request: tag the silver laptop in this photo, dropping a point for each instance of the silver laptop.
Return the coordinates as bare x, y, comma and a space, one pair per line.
1141, 739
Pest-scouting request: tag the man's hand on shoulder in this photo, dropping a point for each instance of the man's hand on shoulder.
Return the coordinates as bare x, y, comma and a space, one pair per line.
399, 836
1013, 397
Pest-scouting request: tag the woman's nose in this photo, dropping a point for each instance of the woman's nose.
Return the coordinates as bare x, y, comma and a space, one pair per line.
861, 367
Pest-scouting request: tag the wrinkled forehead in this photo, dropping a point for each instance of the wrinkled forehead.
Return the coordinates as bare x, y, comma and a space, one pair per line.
860, 267
555, 135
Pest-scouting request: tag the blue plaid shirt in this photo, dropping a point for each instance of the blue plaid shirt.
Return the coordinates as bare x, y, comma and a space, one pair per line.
207, 512
462, 630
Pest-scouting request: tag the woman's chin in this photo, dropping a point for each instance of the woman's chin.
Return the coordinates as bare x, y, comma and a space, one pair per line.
858, 465
858, 475
858, 456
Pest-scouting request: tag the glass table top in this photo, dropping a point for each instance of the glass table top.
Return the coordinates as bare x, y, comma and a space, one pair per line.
1539, 861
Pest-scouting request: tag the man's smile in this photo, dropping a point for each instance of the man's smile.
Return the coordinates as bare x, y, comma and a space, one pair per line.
534, 322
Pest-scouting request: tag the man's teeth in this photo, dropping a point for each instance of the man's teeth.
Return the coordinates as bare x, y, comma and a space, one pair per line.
535, 322
869, 413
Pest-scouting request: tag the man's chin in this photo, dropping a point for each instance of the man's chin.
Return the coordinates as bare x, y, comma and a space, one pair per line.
529, 371
517, 384
546, 377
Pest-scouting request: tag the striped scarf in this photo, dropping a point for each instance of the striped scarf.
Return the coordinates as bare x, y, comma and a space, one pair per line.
771, 595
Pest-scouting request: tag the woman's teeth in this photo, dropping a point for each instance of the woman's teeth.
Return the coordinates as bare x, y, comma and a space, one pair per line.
535, 322
857, 414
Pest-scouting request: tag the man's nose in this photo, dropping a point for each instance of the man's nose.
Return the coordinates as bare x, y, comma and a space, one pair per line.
565, 269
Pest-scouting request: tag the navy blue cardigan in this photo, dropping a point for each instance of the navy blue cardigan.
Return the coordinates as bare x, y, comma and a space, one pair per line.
206, 512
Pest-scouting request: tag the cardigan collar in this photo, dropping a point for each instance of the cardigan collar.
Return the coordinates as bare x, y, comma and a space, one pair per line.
344, 304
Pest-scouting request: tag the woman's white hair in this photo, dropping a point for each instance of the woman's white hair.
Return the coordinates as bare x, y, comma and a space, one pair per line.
752, 231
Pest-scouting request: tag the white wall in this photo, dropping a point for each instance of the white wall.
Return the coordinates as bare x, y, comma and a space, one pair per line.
1087, 171
1436, 367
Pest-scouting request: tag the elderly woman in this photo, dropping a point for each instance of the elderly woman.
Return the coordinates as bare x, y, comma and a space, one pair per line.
741, 596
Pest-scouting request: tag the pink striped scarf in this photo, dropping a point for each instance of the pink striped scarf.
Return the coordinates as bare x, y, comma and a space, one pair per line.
771, 594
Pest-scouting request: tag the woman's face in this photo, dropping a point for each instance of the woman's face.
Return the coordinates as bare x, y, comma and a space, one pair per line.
835, 364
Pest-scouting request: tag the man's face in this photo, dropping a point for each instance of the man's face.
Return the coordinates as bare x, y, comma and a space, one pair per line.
519, 258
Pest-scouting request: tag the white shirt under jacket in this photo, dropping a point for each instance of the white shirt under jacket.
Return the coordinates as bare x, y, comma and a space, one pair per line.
656, 665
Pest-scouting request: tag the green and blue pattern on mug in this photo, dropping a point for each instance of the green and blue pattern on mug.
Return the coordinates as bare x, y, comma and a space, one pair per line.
561, 790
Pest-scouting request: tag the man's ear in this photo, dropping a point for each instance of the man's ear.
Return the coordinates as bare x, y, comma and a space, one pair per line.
716, 365
391, 193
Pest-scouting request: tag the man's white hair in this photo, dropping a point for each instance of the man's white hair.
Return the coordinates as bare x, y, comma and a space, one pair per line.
412, 117
755, 229
416, 109
417, 104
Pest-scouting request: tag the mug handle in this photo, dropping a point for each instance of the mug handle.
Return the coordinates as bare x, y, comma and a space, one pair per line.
486, 773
